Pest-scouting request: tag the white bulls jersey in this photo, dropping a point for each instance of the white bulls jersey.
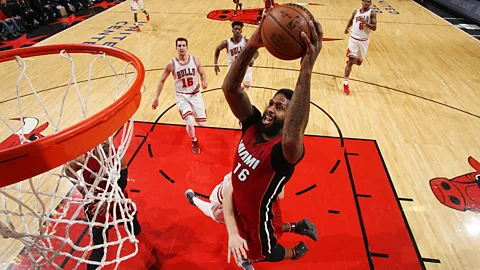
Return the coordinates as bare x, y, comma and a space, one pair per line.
234, 49
359, 30
185, 75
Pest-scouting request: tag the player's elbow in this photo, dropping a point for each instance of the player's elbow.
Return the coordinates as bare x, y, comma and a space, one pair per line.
229, 89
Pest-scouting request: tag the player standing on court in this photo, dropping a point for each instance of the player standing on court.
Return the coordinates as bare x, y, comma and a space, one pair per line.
234, 46
237, 5
185, 70
364, 20
135, 5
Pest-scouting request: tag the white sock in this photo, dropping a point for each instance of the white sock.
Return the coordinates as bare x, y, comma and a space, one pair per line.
191, 132
205, 207
346, 81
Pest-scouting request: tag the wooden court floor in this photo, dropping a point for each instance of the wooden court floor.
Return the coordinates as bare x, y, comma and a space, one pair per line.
417, 95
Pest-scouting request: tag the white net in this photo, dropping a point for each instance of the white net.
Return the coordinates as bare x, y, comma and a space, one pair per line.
78, 213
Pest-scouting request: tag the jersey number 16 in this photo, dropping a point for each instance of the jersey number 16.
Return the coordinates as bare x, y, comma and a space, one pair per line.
187, 82
244, 173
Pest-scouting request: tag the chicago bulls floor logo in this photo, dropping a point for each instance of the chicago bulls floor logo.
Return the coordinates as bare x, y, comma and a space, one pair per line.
29, 132
462, 192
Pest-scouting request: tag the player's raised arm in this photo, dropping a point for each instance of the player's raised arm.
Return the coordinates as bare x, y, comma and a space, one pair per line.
237, 98
297, 114
168, 69
219, 48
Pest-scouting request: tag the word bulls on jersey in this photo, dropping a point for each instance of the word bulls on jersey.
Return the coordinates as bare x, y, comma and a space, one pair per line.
235, 52
186, 72
359, 30
361, 26
234, 49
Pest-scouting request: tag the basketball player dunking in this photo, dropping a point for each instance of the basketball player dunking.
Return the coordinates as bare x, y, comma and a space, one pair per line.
364, 21
270, 147
135, 5
234, 46
185, 70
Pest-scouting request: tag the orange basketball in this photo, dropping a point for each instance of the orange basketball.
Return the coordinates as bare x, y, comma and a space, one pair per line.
281, 31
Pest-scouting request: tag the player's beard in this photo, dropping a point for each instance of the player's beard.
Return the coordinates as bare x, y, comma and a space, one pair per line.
272, 129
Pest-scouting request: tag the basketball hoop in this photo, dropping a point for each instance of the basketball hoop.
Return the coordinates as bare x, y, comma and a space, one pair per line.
59, 148
43, 219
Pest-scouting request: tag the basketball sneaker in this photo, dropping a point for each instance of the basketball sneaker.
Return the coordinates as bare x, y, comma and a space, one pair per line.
246, 264
190, 195
346, 90
148, 18
195, 147
299, 251
305, 227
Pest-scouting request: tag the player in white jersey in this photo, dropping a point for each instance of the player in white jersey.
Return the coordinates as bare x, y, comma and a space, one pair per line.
237, 4
135, 5
185, 70
234, 46
364, 20
214, 208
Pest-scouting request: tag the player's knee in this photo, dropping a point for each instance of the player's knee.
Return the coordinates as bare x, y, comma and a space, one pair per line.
358, 62
189, 121
277, 254
202, 124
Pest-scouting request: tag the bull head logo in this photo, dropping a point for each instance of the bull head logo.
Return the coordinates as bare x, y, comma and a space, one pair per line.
462, 192
30, 132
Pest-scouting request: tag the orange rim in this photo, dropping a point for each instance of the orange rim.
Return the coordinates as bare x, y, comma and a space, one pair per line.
28, 160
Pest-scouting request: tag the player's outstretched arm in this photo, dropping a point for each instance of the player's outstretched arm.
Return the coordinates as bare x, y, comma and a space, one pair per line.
219, 48
237, 98
297, 113
236, 244
168, 69
234, 94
